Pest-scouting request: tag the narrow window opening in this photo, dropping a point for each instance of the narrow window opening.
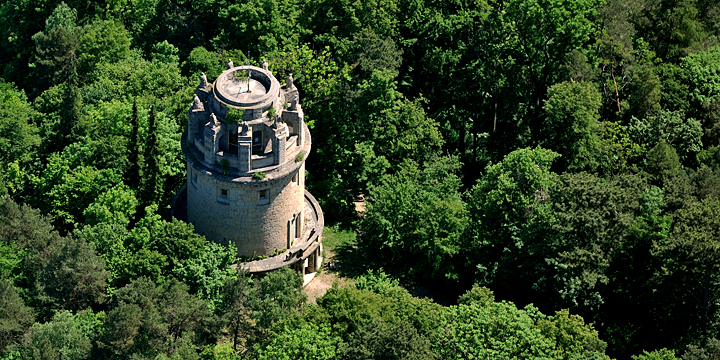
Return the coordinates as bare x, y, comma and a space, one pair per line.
293, 229
223, 192
257, 137
233, 142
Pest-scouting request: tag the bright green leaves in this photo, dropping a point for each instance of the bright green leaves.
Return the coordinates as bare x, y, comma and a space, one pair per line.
315, 71
495, 331
503, 206
201, 60
102, 42
264, 26
572, 337
514, 189
572, 114
500, 330
18, 133
307, 342
207, 273
673, 127
116, 206
61, 338
68, 191
703, 70
660, 354
417, 215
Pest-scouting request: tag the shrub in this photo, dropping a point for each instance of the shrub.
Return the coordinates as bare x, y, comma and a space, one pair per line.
225, 165
272, 112
234, 116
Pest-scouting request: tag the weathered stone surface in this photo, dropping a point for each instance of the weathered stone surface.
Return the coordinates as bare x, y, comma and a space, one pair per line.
227, 211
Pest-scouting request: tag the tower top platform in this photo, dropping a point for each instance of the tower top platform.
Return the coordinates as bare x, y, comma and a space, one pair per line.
247, 87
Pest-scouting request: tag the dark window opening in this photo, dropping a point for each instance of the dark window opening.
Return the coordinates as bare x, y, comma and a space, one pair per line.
257, 142
232, 142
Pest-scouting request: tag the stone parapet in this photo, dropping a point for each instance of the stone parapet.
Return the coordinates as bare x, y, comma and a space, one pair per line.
204, 160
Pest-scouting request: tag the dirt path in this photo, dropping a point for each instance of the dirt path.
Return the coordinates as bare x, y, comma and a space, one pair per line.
324, 281
319, 285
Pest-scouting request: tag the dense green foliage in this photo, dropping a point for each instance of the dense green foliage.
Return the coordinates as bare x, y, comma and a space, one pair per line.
565, 154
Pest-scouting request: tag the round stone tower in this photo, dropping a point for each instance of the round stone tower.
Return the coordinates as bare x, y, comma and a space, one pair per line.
246, 145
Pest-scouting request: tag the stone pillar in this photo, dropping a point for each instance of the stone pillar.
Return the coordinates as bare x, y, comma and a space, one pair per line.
311, 263
211, 145
244, 148
301, 217
192, 126
196, 119
292, 98
295, 118
279, 144
300, 128
203, 92
244, 153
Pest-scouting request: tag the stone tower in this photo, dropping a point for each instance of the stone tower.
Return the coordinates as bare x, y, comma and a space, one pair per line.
245, 146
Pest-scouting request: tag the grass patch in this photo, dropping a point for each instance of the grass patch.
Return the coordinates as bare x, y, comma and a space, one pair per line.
333, 238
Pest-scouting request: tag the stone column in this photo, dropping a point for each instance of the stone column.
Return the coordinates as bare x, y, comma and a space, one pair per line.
311, 263
192, 126
244, 148
279, 144
244, 153
211, 145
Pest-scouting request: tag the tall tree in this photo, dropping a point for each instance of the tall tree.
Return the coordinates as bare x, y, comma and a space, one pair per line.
150, 188
133, 175
148, 320
63, 337
15, 316
506, 200
417, 218
571, 124
72, 102
54, 46
74, 277
692, 260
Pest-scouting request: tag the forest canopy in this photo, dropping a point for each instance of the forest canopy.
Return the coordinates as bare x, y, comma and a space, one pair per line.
553, 165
